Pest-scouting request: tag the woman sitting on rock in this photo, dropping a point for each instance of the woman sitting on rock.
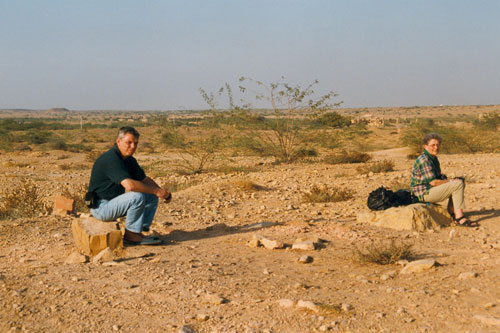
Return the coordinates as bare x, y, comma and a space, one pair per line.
428, 184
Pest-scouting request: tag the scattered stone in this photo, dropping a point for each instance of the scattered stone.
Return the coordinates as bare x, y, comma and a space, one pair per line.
286, 303
254, 242
105, 255
388, 275
259, 225
489, 305
305, 246
76, 258
307, 305
305, 259
271, 244
488, 320
346, 307
324, 328
467, 275
418, 266
202, 317
116, 328
92, 236
63, 206
452, 233
215, 299
186, 329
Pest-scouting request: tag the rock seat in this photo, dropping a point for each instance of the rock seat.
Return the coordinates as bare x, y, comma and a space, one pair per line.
418, 217
92, 236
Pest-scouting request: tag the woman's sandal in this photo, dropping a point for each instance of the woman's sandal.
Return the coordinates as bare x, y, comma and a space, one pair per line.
467, 223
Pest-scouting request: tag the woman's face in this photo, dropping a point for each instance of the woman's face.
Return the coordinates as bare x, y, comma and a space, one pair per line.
433, 147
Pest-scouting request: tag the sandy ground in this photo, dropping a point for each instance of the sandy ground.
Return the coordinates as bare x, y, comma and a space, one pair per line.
206, 277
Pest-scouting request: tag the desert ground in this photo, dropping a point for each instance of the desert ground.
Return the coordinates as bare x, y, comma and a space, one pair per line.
208, 277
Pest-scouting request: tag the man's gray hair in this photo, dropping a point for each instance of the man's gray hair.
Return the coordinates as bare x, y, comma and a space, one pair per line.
432, 136
127, 130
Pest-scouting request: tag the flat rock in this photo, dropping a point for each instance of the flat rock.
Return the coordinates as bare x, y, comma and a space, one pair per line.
76, 258
467, 275
418, 217
418, 266
308, 305
105, 255
305, 246
286, 303
488, 320
63, 206
306, 259
266, 242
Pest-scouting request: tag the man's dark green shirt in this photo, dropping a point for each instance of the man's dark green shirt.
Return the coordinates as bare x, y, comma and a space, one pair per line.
109, 170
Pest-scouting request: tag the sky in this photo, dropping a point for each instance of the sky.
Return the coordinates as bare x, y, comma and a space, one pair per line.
156, 55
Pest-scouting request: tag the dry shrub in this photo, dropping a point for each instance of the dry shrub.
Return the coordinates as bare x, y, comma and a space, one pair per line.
248, 185
347, 157
25, 200
324, 194
77, 195
377, 167
384, 254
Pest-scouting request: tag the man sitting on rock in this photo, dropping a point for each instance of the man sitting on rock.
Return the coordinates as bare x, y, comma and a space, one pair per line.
121, 188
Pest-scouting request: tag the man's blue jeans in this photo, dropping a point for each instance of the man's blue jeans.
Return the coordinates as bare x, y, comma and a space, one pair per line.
140, 209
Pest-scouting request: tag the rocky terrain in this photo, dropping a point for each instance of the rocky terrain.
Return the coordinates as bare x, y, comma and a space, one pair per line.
210, 275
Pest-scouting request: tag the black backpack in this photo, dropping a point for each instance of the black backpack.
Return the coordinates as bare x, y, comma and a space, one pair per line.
383, 198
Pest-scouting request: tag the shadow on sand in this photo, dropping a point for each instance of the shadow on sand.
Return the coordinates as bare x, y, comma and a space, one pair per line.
484, 215
216, 230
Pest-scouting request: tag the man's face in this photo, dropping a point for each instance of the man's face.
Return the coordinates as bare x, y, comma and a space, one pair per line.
127, 145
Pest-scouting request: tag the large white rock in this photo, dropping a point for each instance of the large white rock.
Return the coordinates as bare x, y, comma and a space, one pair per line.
419, 217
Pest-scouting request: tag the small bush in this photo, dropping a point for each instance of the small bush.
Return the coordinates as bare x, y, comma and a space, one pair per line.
324, 194
377, 167
347, 157
384, 254
305, 152
24, 200
174, 186
78, 196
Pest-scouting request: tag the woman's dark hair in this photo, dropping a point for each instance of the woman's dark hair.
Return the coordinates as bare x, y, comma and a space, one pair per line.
127, 130
431, 136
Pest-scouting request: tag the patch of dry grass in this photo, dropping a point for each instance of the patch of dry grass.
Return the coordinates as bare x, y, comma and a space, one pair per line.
325, 194
347, 157
24, 200
377, 167
247, 185
384, 253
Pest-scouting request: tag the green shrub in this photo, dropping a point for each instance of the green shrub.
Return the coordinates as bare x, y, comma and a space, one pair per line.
332, 120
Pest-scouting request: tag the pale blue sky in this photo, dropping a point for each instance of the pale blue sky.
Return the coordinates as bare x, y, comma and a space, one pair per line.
145, 55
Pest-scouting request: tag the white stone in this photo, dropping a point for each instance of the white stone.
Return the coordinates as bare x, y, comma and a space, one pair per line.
305, 246
418, 266
467, 275
305, 259
307, 305
286, 303
76, 258
488, 320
